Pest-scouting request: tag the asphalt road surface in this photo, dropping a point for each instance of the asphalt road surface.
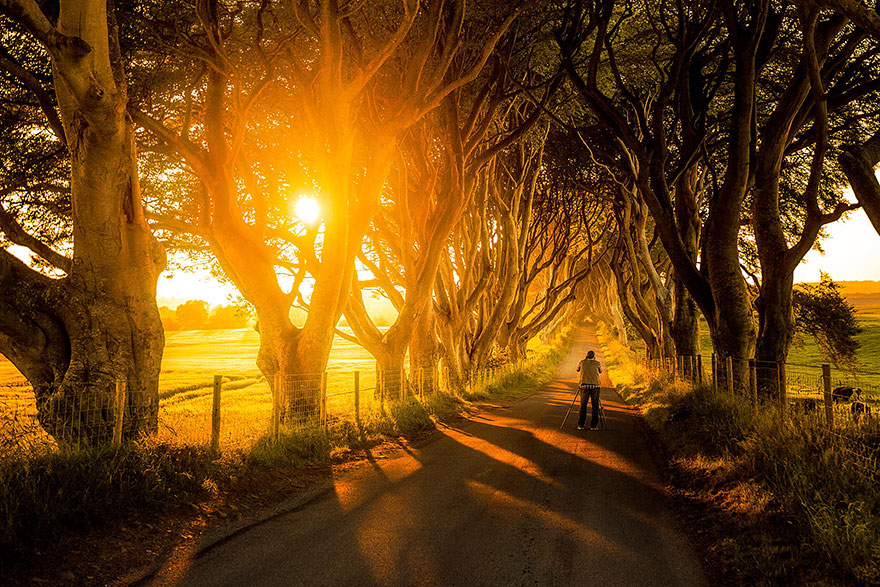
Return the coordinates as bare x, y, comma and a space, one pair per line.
506, 499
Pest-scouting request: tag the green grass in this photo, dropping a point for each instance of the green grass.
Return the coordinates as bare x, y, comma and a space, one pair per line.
806, 352
805, 359
777, 503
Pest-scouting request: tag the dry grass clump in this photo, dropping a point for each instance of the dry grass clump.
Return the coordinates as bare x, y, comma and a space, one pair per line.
781, 501
81, 488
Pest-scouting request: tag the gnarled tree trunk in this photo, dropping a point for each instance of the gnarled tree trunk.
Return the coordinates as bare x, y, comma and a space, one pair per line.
858, 162
686, 313
74, 338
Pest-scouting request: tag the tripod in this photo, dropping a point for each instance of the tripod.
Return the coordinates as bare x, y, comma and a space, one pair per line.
574, 399
602, 423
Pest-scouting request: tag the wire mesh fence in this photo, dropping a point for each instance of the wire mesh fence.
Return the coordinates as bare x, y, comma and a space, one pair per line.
20, 430
861, 457
87, 414
243, 414
230, 412
823, 398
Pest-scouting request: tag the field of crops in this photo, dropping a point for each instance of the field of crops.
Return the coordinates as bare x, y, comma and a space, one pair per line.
190, 362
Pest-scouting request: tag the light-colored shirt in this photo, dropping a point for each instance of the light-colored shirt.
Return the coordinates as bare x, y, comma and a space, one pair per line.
589, 369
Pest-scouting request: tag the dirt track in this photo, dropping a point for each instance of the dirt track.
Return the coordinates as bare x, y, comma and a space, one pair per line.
507, 499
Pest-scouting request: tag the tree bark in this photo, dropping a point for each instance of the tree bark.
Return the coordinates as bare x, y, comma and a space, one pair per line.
76, 337
686, 313
858, 162
423, 350
778, 259
732, 324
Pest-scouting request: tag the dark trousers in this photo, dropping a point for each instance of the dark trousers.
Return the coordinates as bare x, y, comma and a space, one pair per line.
591, 392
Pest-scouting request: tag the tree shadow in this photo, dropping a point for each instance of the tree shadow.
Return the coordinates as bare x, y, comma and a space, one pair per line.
494, 504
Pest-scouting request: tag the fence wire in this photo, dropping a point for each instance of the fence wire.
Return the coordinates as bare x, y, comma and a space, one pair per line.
800, 394
234, 411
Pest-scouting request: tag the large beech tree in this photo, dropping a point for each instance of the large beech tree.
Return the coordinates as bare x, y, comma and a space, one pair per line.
642, 278
95, 321
405, 244
752, 95
477, 279
807, 109
656, 119
858, 159
567, 233
344, 94
440, 161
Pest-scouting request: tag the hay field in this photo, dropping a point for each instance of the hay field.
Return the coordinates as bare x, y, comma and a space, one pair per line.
191, 360
189, 364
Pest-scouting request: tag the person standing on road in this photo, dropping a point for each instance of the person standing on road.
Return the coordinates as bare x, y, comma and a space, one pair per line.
589, 369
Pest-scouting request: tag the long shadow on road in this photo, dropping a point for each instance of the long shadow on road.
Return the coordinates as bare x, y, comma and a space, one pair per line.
506, 499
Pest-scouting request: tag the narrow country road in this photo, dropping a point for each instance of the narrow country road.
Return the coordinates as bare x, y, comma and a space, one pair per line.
507, 499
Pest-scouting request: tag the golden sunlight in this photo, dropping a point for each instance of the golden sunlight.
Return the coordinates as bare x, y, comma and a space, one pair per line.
307, 209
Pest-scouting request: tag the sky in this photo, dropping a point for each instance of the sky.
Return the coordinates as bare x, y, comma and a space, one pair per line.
852, 252
183, 285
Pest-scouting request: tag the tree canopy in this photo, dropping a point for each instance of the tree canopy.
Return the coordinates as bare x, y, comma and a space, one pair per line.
484, 166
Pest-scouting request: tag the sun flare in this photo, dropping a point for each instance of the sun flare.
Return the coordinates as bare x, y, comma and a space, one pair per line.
307, 209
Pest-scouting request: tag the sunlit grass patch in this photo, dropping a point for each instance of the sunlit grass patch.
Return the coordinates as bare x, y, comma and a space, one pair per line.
311, 442
295, 446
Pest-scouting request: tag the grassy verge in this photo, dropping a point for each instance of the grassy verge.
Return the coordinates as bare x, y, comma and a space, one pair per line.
776, 503
41, 498
45, 497
410, 418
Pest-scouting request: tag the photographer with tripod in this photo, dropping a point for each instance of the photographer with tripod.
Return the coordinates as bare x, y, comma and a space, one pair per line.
589, 369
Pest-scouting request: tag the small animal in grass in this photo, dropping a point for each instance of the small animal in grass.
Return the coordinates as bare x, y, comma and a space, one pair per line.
808, 405
846, 393
860, 410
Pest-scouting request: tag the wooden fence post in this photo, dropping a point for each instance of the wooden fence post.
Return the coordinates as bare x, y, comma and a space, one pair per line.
730, 375
826, 395
780, 381
120, 412
714, 372
215, 415
276, 407
357, 398
753, 383
324, 399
